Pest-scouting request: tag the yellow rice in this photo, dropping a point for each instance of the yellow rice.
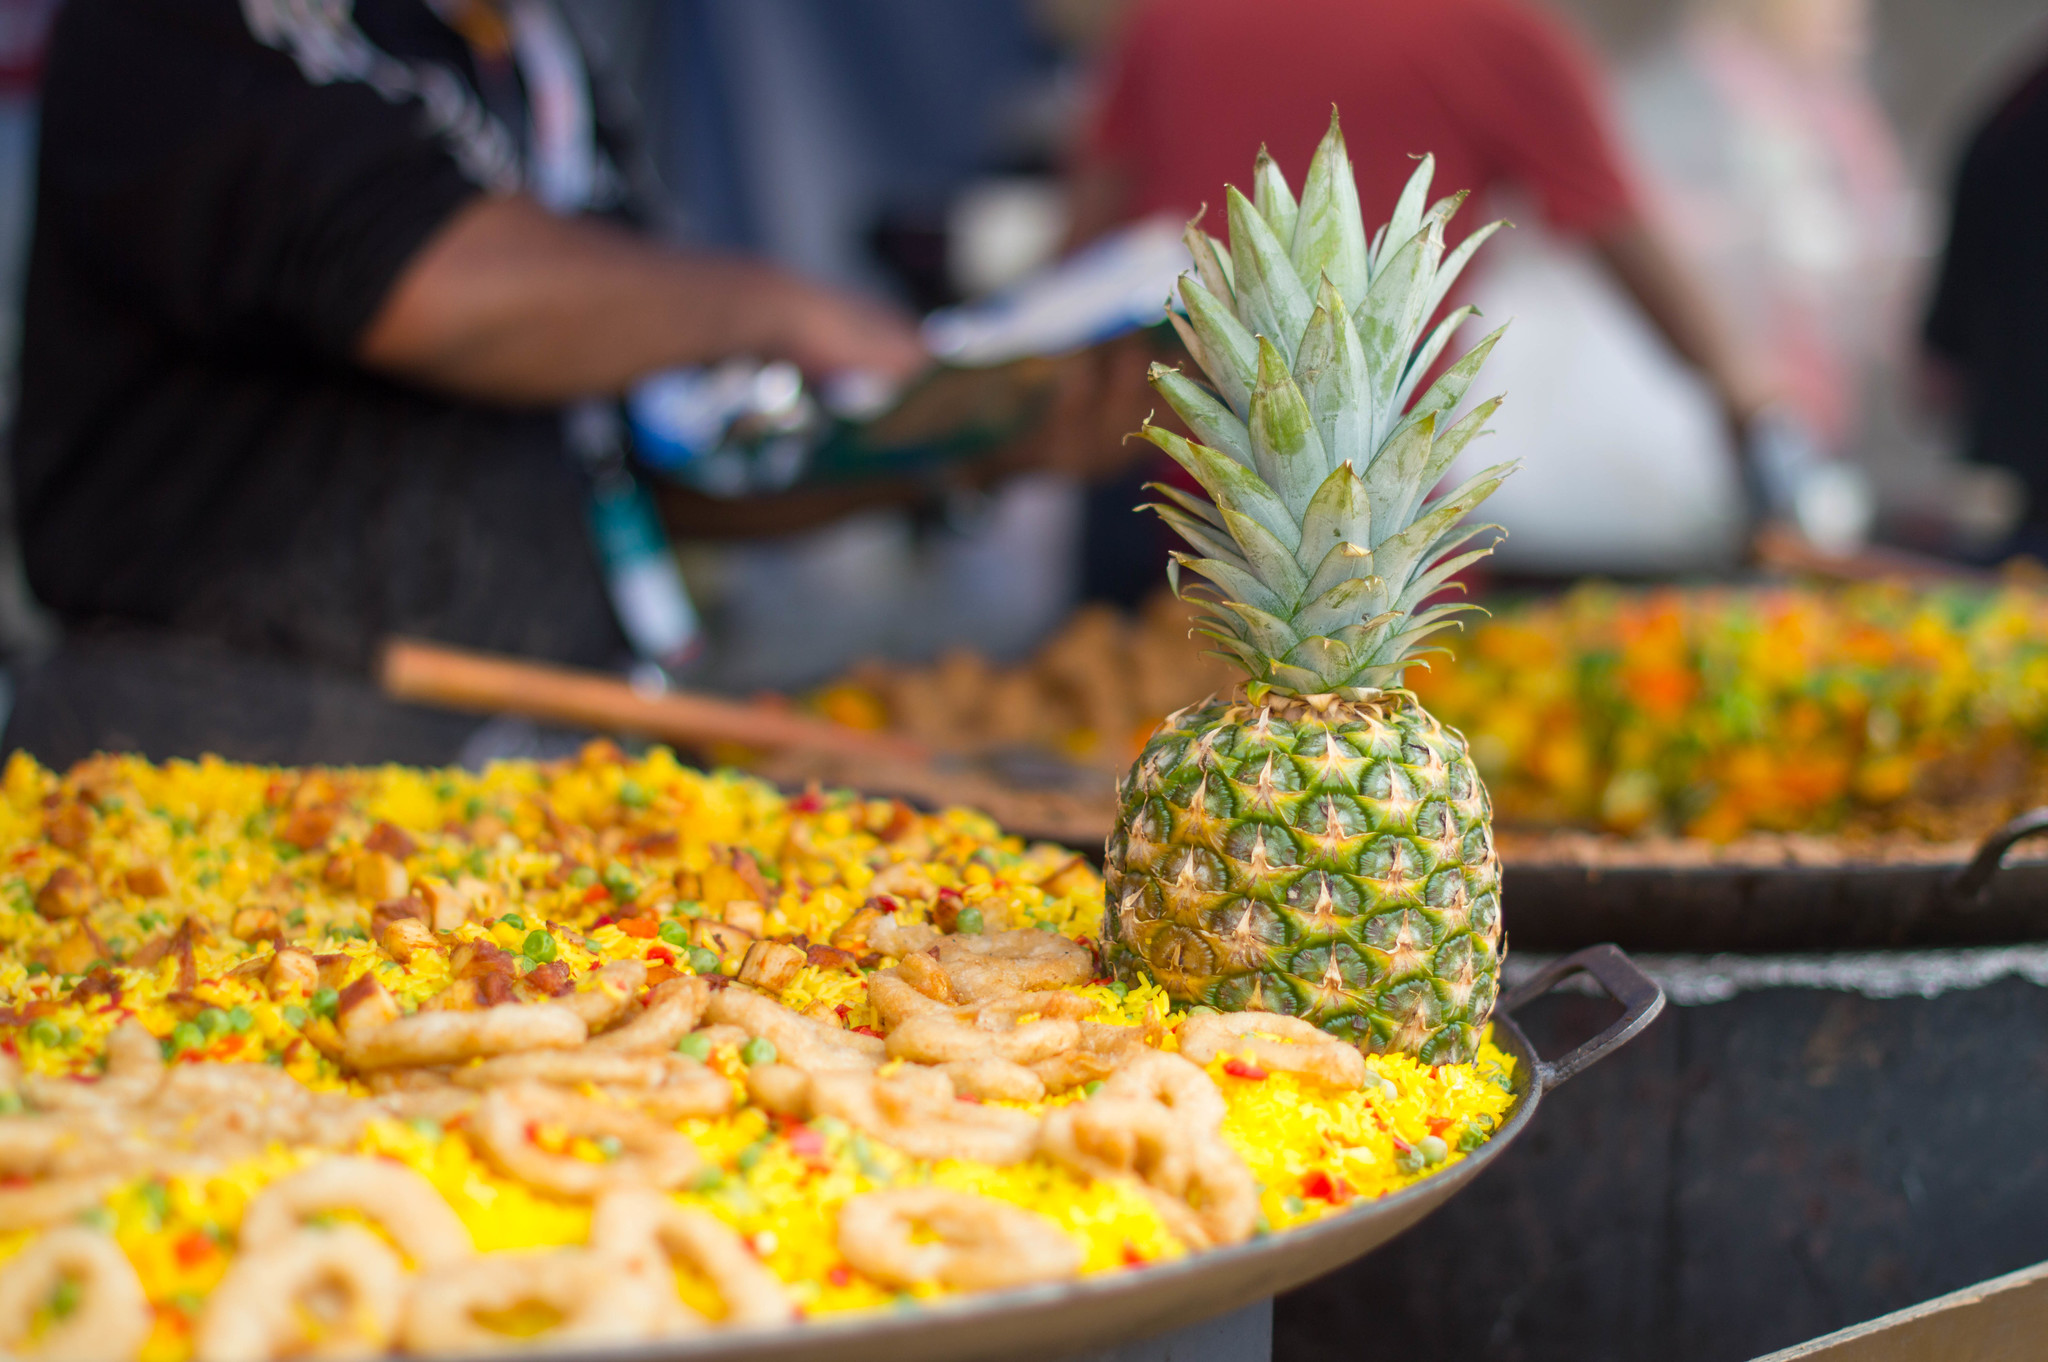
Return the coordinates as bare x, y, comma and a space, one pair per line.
558, 842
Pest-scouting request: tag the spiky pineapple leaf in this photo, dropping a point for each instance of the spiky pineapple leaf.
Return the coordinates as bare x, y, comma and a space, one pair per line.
1211, 259
1271, 301
1330, 369
1286, 450
1272, 197
1214, 424
1229, 484
1188, 502
1229, 355
1340, 512
1329, 235
1270, 558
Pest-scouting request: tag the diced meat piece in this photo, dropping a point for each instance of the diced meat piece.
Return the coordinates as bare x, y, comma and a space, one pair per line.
307, 829
770, 965
390, 841
67, 893
150, 880
379, 876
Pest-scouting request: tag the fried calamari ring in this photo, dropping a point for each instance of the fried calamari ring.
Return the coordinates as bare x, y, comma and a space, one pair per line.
135, 1066
595, 1302
344, 1277
1022, 1028
398, 1200
611, 993
895, 1001
909, 1236
1200, 1186
667, 1085
673, 1008
803, 1041
917, 1112
1180, 1086
650, 1154
646, 1232
1274, 1041
53, 1199
452, 1037
112, 1317
988, 1077
1027, 960
1103, 1050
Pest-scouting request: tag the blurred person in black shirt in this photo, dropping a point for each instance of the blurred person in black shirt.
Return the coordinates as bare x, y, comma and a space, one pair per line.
1985, 329
310, 286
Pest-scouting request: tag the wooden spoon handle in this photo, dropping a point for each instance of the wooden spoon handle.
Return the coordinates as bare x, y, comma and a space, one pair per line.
459, 679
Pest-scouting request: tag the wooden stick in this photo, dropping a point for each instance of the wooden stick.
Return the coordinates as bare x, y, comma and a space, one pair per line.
459, 679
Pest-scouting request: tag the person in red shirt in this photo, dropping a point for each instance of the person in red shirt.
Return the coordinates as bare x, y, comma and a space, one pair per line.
1497, 90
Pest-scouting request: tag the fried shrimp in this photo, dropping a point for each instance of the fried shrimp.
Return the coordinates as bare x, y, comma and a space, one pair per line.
112, 1317
1028, 960
1201, 1187
590, 1300
910, 1236
1174, 1083
452, 1037
335, 1293
649, 1154
1274, 1041
807, 1043
610, 995
673, 1009
395, 1198
646, 1234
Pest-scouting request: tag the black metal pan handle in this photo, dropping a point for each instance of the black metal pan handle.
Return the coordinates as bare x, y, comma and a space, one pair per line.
1970, 883
1640, 998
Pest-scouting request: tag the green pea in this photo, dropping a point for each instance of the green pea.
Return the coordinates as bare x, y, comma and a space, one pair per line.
426, 1127
185, 1036
539, 947
35, 968
610, 1146
46, 1033
64, 1299
633, 794
10, 1103
324, 1001
156, 1199
759, 1050
98, 1218
1293, 1205
294, 1015
213, 1022
753, 1154
74, 1034
583, 877
1433, 1150
241, 1020
697, 1047
514, 921
969, 921
704, 960
690, 908
1092, 1087
674, 933
707, 1179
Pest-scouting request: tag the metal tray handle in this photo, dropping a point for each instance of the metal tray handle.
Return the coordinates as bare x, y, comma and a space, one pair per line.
1968, 887
1640, 998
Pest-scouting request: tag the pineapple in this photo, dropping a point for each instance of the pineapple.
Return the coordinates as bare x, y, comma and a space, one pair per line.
1316, 844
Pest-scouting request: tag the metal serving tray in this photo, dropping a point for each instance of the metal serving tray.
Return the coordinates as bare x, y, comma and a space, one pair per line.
1785, 908
1052, 1322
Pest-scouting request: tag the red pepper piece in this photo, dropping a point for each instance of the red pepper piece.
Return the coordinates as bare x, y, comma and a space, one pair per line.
1238, 1068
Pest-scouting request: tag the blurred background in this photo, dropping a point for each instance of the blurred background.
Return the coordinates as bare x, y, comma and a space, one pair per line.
1796, 155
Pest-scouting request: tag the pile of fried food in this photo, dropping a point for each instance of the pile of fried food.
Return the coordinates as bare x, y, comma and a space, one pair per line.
349, 1061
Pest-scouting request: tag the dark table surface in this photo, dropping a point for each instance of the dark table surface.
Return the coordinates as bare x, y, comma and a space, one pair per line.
1742, 1177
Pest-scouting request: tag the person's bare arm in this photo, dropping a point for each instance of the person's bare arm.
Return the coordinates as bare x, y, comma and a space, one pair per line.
510, 303
1676, 305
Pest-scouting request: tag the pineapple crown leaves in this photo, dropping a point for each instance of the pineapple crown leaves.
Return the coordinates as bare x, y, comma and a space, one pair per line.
1318, 542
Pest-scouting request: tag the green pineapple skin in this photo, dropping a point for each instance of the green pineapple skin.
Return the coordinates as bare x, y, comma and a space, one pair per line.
1338, 867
